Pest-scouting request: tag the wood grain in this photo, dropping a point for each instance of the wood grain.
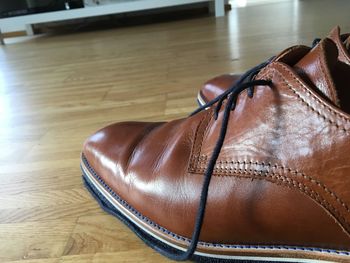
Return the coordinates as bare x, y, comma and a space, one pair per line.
56, 90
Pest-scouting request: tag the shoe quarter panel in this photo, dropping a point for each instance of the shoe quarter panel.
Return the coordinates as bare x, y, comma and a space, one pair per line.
287, 135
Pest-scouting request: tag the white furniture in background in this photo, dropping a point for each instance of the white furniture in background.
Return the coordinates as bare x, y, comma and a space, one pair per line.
25, 22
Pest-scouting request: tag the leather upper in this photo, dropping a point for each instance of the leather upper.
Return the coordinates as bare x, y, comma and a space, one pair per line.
283, 173
216, 86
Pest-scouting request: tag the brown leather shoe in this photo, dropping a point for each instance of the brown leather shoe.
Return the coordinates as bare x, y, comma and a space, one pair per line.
215, 87
218, 85
263, 174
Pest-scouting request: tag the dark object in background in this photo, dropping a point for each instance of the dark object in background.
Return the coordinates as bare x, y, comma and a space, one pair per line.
13, 8
10, 8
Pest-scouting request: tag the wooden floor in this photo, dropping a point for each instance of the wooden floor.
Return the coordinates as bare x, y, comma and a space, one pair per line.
56, 90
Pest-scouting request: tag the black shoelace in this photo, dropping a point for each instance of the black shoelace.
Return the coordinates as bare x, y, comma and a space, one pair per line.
245, 82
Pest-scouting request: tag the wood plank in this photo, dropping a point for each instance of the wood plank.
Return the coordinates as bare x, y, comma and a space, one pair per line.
34, 240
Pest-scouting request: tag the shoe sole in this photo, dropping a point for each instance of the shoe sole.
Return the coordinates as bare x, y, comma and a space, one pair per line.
200, 99
164, 241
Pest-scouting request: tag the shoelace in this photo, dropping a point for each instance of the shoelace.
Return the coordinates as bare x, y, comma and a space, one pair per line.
245, 82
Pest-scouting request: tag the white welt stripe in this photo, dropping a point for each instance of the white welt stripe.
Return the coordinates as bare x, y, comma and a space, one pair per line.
200, 99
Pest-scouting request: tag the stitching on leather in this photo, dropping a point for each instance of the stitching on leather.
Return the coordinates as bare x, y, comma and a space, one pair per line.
325, 118
195, 139
162, 229
193, 156
275, 166
204, 121
254, 174
269, 72
340, 47
343, 52
316, 99
333, 94
210, 114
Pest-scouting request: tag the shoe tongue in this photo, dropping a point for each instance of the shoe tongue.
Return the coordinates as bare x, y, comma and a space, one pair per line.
316, 66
